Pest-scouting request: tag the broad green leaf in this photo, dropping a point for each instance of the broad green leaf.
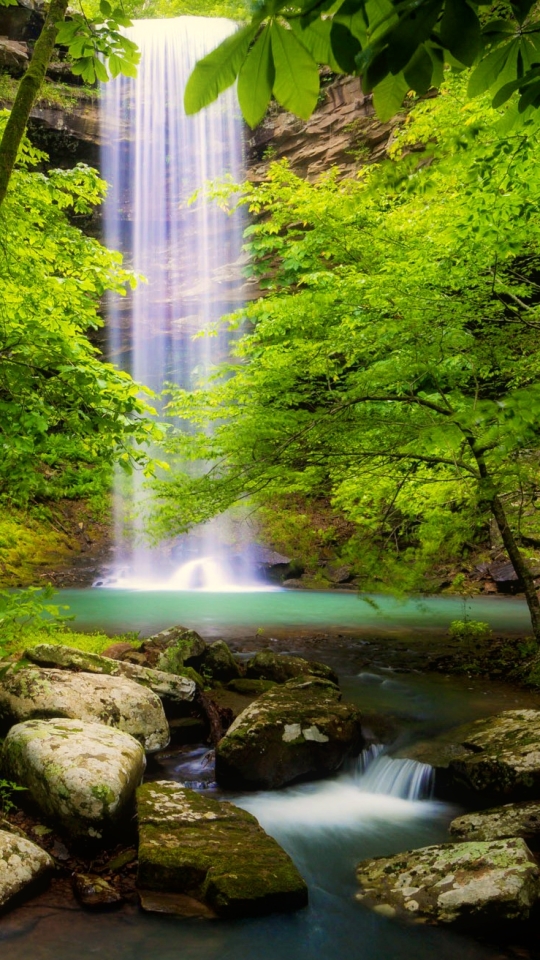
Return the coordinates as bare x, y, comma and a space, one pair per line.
412, 30
296, 86
101, 71
460, 31
115, 65
256, 79
388, 96
105, 8
345, 47
419, 71
128, 68
500, 65
316, 39
522, 8
217, 71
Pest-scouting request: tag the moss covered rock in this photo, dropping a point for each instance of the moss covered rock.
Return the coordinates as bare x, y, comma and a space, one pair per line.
279, 667
169, 688
81, 775
173, 649
467, 885
29, 693
219, 662
511, 820
251, 688
496, 758
21, 864
300, 730
213, 853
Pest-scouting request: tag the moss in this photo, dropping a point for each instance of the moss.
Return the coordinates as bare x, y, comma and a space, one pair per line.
88, 642
26, 544
243, 685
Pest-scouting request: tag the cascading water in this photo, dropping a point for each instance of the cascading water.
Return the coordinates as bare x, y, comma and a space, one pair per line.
155, 158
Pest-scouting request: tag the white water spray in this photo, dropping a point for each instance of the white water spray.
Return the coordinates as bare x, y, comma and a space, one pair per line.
155, 158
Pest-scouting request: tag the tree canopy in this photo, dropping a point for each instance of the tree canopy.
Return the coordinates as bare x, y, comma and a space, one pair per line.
393, 363
393, 45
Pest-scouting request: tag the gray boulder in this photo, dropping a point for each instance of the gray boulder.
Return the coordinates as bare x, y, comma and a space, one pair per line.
169, 688
203, 857
220, 663
29, 693
468, 885
278, 667
299, 730
81, 775
496, 758
512, 820
21, 864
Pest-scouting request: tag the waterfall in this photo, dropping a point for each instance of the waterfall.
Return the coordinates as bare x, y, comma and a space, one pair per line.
407, 779
155, 158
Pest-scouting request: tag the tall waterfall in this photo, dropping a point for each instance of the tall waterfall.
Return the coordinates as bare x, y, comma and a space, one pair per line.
155, 158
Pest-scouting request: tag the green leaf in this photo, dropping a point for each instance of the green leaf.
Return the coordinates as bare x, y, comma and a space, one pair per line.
412, 30
105, 8
128, 68
101, 70
345, 47
522, 8
499, 65
115, 65
419, 71
296, 86
217, 71
388, 96
460, 31
256, 79
316, 39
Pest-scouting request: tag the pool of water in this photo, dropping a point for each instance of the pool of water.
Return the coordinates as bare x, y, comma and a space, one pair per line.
216, 614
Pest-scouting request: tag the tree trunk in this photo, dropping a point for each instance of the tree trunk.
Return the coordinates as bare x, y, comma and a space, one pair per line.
27, 93
519, 564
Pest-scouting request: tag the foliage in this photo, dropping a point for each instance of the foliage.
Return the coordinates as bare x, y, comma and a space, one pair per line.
138, 9
65, 415
469, 631
393, 364
394, 45
52, 94
7, 789
21, 611
26, 543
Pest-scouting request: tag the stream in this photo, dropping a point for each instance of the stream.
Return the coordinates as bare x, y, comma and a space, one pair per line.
327, 826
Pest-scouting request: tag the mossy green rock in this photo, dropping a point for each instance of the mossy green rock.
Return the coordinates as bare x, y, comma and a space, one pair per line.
173, 649
31, 692
511, 820
468, 885
496, 758
250, 687
169, 688
299, 730
213, 853
279, 667
81, 775
21, 863
220, 663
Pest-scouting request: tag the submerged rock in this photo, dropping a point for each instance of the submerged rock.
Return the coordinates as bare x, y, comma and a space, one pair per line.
169, 688
94, 892
252, 688
496, 757
467, 885
81, 775
280, 668
220, 663
208, 854
512, 820
299, 730
115, 701
21, 864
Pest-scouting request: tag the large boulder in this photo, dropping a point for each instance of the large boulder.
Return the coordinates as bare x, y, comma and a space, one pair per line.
279, 667
171, 650
22, 863
467, 885
29, 693
169, 688
300, 730
512, 820
496, 758
211, 854
219, 662
81, 775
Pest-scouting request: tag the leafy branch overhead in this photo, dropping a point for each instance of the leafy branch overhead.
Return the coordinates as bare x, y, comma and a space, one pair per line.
393, 45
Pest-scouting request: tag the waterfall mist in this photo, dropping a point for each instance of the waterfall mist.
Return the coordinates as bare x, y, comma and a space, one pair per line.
155, 157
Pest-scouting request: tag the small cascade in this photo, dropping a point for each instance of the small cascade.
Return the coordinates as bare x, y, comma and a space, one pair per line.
407, 779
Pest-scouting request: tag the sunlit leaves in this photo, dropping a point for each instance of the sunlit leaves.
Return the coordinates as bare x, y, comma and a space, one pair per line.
217, 71
99, 47
296, 86
256, 80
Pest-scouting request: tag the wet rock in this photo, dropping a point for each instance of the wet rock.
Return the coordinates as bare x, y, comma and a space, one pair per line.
467, 885
213, 853
117, 651
512, 820
14, 57
171, 651
169, 688
249, 687
94, 892
81, 775
114, 701
278, 667
21, 864
490, 759
299, 730
188, 730
175, 904
220, 663
338, 574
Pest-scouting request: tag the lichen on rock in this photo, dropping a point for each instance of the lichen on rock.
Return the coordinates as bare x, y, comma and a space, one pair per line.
21, 863
511, 820
279, 667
